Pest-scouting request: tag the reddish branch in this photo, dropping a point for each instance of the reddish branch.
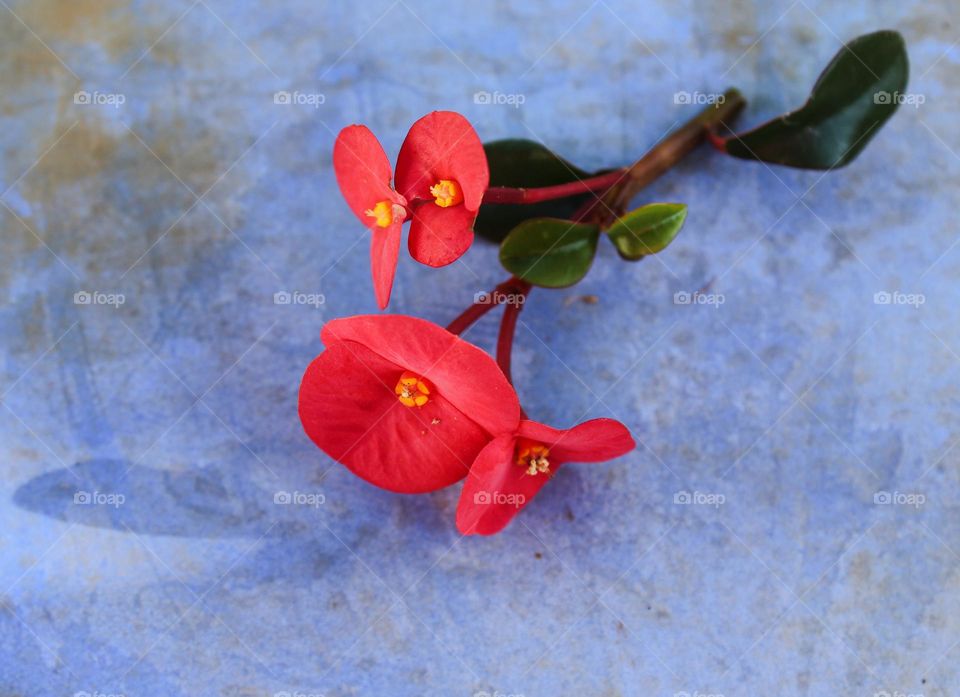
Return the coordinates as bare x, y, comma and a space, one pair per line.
506, 194
508, 326
503, 293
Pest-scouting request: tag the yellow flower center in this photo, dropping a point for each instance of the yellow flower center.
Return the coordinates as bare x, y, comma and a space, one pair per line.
411, 390
446, 193
384, 213
534, 459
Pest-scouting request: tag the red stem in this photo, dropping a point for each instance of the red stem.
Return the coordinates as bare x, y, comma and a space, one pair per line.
717, 141
508, 327
468, 317
507, 194
502, 293
588, 206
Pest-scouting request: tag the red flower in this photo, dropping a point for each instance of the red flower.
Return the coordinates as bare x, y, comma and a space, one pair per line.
442, 170
403, 403
363, 173
512, 468
441, 177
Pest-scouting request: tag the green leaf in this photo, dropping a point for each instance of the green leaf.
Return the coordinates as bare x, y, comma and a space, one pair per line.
549, 252
517, 162
524, 163
647, 230
852, 99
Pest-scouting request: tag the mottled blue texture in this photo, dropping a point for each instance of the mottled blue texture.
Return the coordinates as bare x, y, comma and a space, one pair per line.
794, 402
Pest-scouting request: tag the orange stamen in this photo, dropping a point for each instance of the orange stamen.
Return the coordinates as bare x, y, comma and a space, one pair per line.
412, 390
385, 212
534, 459
446, 193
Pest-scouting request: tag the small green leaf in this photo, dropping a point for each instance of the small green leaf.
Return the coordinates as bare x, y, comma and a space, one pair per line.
525, 164
549, 252
647, 230
853, 97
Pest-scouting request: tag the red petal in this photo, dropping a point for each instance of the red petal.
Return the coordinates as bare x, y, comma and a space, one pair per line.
439, 236
496, 489
363, 171
592, 441
466, 376
443, 145
384, 250
349, 408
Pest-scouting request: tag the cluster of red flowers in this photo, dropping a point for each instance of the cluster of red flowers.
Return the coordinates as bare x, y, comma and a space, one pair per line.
403, 403
410, 407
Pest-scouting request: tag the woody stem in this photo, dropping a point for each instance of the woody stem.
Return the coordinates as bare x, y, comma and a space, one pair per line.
604, 209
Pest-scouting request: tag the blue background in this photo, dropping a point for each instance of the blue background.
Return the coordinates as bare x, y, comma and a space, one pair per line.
796, 402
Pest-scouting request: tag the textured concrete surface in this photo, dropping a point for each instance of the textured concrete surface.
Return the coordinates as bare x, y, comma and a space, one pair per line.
785, 412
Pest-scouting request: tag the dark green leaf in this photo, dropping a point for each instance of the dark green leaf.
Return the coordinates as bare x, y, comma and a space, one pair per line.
523, 163
517, 162
852, 99
549, 252
647, 230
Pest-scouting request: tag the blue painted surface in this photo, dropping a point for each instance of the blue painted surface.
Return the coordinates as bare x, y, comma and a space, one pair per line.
795, 402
